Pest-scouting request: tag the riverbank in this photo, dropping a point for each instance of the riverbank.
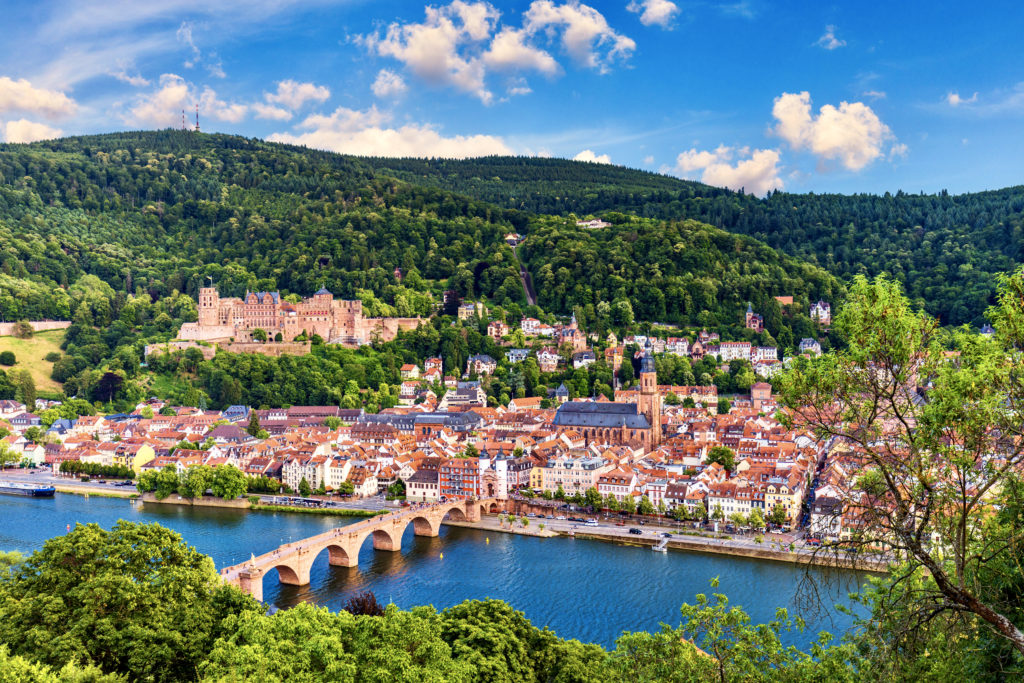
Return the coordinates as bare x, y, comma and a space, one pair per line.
331, 512
521, 531
93, 491
679, 542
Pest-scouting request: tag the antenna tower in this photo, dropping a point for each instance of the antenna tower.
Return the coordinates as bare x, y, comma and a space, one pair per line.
197, 118
183, 119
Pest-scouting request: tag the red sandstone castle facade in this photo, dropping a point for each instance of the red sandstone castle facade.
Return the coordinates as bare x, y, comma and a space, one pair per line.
335, 320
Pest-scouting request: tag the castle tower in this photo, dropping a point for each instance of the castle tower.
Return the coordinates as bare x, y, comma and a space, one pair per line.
209, 302
649, 401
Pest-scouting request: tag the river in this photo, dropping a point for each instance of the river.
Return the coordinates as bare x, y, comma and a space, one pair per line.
589, 590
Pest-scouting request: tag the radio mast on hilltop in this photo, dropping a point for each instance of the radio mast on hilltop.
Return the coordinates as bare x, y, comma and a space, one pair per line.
183, 120
197, 118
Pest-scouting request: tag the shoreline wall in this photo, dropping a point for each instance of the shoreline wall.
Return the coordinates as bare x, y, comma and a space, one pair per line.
7, 329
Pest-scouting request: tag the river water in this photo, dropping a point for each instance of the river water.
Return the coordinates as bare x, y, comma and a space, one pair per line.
589, 590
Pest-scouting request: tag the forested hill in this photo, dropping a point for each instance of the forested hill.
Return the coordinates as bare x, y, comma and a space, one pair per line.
945, 248
152, 213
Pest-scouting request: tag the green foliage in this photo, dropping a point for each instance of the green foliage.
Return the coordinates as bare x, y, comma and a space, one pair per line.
304, 488
946, 249
135, 601
723, 455
94, 469
8, 358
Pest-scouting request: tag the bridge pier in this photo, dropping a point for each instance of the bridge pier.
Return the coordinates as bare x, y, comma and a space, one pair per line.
421, 526
251, 583
338, 556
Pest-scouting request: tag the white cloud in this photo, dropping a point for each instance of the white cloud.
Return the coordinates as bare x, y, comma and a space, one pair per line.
828, 40
654, 12
184, 35
954, 100
875, 94
388, 84
162, 108
270, 111
851, 132
24, 130
648, 160
431, 49
456, 44
231, 112
588, 155
756, 171
898, 150
292, 94
122, 75
586, 35
20, 95
350, 131
509, 51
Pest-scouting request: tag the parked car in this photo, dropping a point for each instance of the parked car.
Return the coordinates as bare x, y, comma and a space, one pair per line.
666, 535
560, 517
814, 541
634, 530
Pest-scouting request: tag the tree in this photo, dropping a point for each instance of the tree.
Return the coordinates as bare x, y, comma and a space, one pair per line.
135, 600
332, 422
930, 466
470, 451
254, 424
717, 514
645, 507
259, 335
397, 489
700, 511
8, 358
304, 488
364, 603
724, 406
592, 498
228, 482
195, 481
756, 518
723, 455
778, 515
559, 493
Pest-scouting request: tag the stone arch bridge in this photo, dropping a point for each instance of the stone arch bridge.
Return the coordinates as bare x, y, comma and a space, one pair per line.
293, 561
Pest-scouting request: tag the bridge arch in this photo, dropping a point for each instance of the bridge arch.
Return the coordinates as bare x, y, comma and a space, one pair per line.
339, 556
425, 526
290, 575
455, 513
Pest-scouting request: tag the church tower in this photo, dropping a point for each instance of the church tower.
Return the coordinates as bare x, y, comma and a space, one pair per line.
649, 401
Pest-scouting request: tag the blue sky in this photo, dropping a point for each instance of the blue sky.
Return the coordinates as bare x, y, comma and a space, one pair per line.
854, 97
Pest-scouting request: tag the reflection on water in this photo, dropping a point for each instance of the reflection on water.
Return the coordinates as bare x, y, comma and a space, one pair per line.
581, 589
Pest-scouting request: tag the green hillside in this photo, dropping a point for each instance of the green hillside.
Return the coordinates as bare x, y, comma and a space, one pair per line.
946, 249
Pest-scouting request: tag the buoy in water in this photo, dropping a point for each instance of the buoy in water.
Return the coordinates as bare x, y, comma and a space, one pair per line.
442, 556
487, 539
68, 527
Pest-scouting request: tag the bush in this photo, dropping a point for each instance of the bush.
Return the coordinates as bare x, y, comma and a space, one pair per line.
52, 357
8, 358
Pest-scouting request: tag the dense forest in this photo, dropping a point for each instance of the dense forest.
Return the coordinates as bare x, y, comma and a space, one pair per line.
117, 233
944, 248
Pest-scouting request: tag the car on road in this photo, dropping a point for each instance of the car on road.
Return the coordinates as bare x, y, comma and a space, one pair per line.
814, 542
591, 522
620, 524
666, 535
560, 517
634, 530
